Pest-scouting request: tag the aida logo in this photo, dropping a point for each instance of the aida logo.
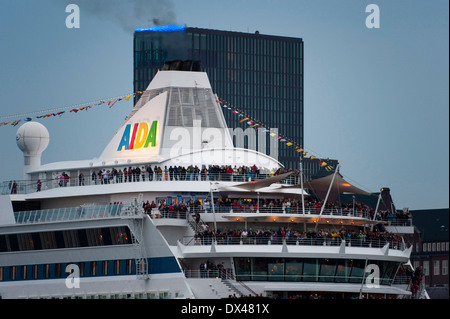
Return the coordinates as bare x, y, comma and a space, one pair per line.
143, 136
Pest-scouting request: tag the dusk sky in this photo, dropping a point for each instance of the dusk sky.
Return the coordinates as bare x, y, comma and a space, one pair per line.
376, 99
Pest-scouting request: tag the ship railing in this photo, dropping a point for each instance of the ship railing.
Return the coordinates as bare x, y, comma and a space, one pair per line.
174, 214
281, 276
310, 212
236, 240
225, 274
31, 186
72, 213
283, 210
401, 280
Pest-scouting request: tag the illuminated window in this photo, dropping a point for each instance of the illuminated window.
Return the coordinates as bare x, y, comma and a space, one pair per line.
12, 272
93, 268
105, 267
47, 271
129, 266
24, 272
58, 272
35, 271
82, 268
117, 267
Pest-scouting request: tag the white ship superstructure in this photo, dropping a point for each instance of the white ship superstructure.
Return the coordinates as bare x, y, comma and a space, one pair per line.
171, 209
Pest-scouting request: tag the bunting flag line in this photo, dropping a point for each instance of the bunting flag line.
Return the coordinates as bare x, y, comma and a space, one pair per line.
61, 110
110, 102
257, 125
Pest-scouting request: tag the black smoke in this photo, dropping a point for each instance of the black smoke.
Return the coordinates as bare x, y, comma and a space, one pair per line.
130, 14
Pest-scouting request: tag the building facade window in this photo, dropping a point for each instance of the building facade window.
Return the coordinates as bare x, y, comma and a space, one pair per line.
426, 267
445, 267
436, 268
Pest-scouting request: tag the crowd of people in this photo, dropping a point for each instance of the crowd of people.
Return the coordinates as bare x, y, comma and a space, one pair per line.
264, 205
209, 269
181, 173
415, 276
171, 173
324, 236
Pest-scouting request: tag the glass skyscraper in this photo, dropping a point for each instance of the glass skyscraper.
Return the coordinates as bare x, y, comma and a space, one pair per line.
259, 74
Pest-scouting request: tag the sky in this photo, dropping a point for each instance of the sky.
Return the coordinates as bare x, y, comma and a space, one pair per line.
376, 99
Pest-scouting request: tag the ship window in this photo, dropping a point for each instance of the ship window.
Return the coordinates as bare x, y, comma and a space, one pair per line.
106, 236
327, 269
294, 270
275, 270
310, 269
342, 270
129, 266
47, 269
243, 268
71, 238
82, 237
3, 243
48, 240
1, 273
82, 269
24, 272
35, 271
93, 268
259, 269
358, 268
117, 267
65, 239
58, 272
12, 272
25, 241
59, 239
94, 237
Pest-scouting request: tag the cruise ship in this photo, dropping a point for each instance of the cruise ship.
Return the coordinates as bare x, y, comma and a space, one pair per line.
172, 210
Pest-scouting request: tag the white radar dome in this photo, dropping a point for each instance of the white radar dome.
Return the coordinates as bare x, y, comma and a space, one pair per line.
32, 138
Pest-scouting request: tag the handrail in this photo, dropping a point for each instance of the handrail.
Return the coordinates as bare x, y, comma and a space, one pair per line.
232, 276
226, 274
72, 213
310, 212
235, 240
30, 186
